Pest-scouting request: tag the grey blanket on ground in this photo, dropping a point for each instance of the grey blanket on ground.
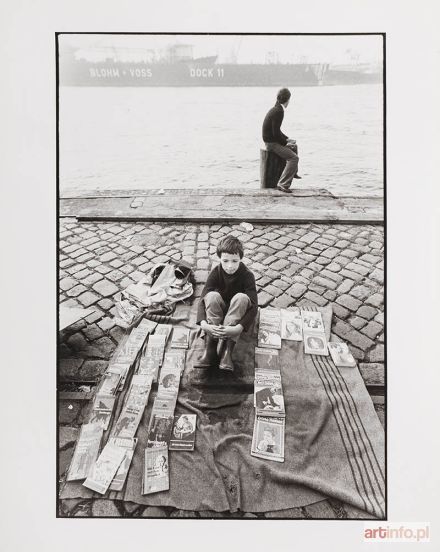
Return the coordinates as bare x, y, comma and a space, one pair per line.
334, 442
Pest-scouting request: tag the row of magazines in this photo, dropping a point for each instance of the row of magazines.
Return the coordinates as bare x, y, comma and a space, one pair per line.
108, 469
295, 324
275, 325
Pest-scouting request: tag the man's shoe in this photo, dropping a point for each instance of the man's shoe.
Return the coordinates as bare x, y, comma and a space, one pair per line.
226, 358
209, 357
285, 190
297, 176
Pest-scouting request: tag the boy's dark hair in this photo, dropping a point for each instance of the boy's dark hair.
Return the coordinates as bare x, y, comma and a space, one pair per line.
283, 95
230, 245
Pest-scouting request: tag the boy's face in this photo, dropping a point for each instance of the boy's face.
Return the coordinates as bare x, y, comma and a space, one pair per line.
230, 262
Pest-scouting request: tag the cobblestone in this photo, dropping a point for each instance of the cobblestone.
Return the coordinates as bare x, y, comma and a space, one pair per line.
105, 288
349, 302
323, 264
366, 312
88, 298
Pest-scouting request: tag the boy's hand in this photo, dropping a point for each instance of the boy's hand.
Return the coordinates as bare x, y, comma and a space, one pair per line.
212, 330
230, 331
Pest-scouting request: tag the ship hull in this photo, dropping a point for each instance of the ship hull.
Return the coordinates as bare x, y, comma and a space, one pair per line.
335, 77
82, 73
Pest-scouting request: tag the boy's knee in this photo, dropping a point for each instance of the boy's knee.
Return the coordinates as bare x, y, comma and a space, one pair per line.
213, 297
240, 298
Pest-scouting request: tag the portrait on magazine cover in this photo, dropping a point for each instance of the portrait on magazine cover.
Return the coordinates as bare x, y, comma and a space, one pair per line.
221, 275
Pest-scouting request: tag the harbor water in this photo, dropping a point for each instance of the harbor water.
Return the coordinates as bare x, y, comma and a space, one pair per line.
199, 137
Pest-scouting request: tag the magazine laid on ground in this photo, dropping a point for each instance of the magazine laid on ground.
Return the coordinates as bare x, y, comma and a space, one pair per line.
102, 410
149, 366
291, 324
147, 325
169, 377
130, 349
121, 370
312, 321
86, 451
159, 430
268, 438
183, 434
156, 347
268, 394
155, 474
128, 445
109, 384
269, 329
139, 391
180, 338
266, 359
133, 409
341, 355
164, 329
315, 342
164, 406
105, 468
175, 357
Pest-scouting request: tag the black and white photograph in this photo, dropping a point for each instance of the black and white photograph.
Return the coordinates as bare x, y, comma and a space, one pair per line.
247, 170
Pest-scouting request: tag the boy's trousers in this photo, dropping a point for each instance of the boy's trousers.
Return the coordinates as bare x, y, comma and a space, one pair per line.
217, 313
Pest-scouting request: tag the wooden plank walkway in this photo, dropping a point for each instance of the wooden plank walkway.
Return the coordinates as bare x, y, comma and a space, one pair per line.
260, 206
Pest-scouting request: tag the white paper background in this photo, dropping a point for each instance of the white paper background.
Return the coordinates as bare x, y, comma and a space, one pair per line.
27, 171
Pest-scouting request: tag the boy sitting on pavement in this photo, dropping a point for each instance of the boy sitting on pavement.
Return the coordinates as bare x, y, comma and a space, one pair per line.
228, 305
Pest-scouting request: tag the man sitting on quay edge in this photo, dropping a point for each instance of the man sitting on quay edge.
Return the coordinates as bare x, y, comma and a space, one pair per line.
279, 143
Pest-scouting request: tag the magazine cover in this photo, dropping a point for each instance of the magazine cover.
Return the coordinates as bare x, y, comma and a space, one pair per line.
102, 410
180, 339
169, 377
266, 359
86, 451
129, 445
132, 412
315, 344
164, 329
175, 357
268, 438
109, 384
132, 346
159, 430
268, 395
117, 368
156, 477
156, 347
291, 324
341, 355
137, 396
184, 432
149, 366
105, 468
312, 322
147, 325
269, 330
164, 406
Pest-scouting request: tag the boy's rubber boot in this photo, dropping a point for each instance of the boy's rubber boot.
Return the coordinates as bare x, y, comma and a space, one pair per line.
209, 357
226, 357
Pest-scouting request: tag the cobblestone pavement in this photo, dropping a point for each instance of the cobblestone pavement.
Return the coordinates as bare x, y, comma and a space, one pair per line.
321, 264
